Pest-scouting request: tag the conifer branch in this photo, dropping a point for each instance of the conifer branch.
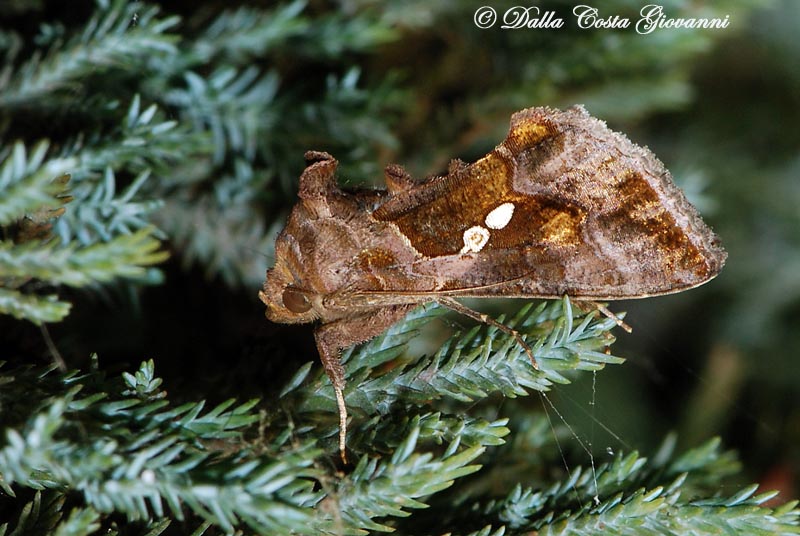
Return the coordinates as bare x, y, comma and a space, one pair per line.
37, 309
664, 501
237, 251
383, 488
143, 140
124, 256
469, 366
118, 237
42, 514
101, 215
246, 33
29, 182
586, 490
660, 512
110, 40
46, 513
138, 456
232, 105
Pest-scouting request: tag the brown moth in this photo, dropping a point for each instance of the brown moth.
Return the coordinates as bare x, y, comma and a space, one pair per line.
563, 206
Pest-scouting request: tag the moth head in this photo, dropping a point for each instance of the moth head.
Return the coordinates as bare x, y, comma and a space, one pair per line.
288, 300
294, 289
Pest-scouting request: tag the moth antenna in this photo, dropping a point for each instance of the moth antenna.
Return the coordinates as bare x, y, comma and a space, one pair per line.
456, 306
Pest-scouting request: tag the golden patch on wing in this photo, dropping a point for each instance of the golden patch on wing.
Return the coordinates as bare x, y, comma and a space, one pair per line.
640, 213
527, 132
563, 229
437, 227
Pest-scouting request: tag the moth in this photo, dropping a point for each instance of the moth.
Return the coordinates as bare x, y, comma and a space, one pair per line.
563, 206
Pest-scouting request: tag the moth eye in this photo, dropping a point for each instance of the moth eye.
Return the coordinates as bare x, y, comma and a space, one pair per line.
295, 301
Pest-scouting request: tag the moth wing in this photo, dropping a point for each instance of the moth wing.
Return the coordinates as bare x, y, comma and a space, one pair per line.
591, 215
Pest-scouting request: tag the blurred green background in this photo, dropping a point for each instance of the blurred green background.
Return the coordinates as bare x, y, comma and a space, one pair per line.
418, 83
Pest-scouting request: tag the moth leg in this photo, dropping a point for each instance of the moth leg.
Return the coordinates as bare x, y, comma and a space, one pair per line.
332, 337
459, 308
608, 313
329, 339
